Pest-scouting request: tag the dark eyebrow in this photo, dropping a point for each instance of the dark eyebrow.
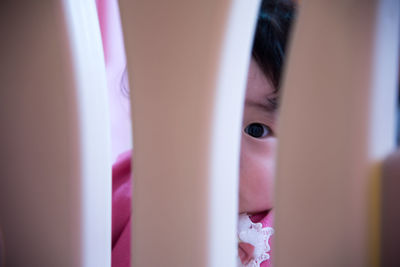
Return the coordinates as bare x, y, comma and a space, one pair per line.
269, 104
274, 102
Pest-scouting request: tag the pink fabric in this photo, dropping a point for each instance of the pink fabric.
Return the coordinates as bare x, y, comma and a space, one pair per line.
121, 213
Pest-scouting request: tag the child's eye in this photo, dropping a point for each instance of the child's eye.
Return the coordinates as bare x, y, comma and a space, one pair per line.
258, 130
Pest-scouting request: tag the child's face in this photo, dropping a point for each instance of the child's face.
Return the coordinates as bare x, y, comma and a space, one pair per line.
258, 144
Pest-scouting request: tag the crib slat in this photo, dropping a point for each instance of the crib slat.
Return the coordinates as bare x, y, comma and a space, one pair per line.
187, 63
55, 186
337, 121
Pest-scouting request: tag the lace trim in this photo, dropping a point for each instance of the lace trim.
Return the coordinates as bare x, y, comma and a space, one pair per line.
256, 235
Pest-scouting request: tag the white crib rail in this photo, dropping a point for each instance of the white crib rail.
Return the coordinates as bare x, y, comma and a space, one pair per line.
337, 119
55, 185
187, 63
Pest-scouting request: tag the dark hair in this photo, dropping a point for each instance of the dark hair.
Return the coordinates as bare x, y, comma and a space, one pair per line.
270, 40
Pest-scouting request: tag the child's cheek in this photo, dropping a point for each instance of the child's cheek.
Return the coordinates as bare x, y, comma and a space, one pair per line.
257, 174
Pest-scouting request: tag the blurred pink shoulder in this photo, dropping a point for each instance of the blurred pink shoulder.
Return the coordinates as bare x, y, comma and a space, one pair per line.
121, 210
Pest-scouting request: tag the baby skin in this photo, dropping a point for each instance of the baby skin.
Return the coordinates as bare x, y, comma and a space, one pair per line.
257, 169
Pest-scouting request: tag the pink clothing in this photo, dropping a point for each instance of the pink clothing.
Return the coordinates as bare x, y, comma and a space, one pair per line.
121, 213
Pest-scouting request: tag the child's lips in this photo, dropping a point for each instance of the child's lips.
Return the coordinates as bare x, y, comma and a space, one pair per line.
257, 217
